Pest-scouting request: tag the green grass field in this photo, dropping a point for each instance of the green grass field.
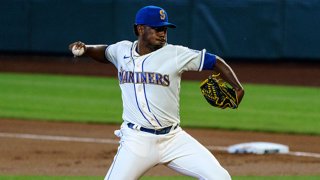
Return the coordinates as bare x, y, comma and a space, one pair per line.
283, 109
157, 178
98, 100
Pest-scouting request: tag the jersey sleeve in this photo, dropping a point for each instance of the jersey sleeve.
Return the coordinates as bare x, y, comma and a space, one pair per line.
189, 59
117, 51
110, 53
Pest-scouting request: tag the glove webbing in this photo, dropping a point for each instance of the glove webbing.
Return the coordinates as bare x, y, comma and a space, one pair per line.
226, 95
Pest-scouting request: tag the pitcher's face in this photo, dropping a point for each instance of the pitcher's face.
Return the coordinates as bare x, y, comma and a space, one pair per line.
154, 37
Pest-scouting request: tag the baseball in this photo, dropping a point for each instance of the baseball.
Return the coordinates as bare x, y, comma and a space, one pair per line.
77, 51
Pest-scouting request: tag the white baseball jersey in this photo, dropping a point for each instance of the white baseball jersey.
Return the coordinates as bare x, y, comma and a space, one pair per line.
150, 84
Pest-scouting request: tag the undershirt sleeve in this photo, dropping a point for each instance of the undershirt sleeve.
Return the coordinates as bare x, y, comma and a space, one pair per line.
209, 61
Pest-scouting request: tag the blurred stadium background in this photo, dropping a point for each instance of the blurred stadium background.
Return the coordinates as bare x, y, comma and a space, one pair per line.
235, 29
252, 35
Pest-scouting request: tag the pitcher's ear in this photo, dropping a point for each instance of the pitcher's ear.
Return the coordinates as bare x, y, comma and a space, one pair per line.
135, 29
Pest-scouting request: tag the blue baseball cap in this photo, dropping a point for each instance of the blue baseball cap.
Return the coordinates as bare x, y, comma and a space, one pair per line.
153, 16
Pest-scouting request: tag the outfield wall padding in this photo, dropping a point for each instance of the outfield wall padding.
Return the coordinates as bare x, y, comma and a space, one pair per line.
242, 29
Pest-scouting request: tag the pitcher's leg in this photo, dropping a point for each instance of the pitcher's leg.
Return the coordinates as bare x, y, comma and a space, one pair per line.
193, 159
128, 165
136, 154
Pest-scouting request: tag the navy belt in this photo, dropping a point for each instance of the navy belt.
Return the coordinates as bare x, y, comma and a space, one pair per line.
165, 130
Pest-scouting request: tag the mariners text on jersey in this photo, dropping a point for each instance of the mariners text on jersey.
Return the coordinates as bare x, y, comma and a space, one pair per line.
143, 78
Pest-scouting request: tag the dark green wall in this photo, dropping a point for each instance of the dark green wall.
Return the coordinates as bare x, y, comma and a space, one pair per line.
268, 29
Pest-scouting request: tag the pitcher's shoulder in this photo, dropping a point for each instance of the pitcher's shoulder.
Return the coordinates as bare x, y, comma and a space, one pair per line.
178, 48
121, 45
124, 43
174, 46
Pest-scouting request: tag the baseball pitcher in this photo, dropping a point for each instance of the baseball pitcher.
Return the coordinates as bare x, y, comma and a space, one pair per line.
149, 73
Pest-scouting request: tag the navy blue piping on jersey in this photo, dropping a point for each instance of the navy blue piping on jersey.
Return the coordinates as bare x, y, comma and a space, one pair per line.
134, 86
209, 61
145, 94
201, 61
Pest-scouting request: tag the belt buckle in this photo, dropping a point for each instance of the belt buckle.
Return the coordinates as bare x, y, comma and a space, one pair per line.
165, 130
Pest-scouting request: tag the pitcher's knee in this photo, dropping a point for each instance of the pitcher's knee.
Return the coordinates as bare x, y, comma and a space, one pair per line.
225, 175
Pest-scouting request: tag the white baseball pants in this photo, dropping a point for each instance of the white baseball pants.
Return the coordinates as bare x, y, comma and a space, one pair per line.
140, 151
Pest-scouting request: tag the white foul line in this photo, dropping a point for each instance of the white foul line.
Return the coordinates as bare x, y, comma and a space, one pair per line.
111, 141
58, 138
306, 154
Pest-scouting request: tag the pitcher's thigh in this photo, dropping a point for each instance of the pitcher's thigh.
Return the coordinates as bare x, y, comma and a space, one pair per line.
127, 165
196, 161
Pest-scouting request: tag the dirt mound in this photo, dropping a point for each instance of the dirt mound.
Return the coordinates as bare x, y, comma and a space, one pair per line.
54, 148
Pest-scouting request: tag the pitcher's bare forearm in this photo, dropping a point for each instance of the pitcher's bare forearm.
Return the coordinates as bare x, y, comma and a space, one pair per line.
229, 76
97, 52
